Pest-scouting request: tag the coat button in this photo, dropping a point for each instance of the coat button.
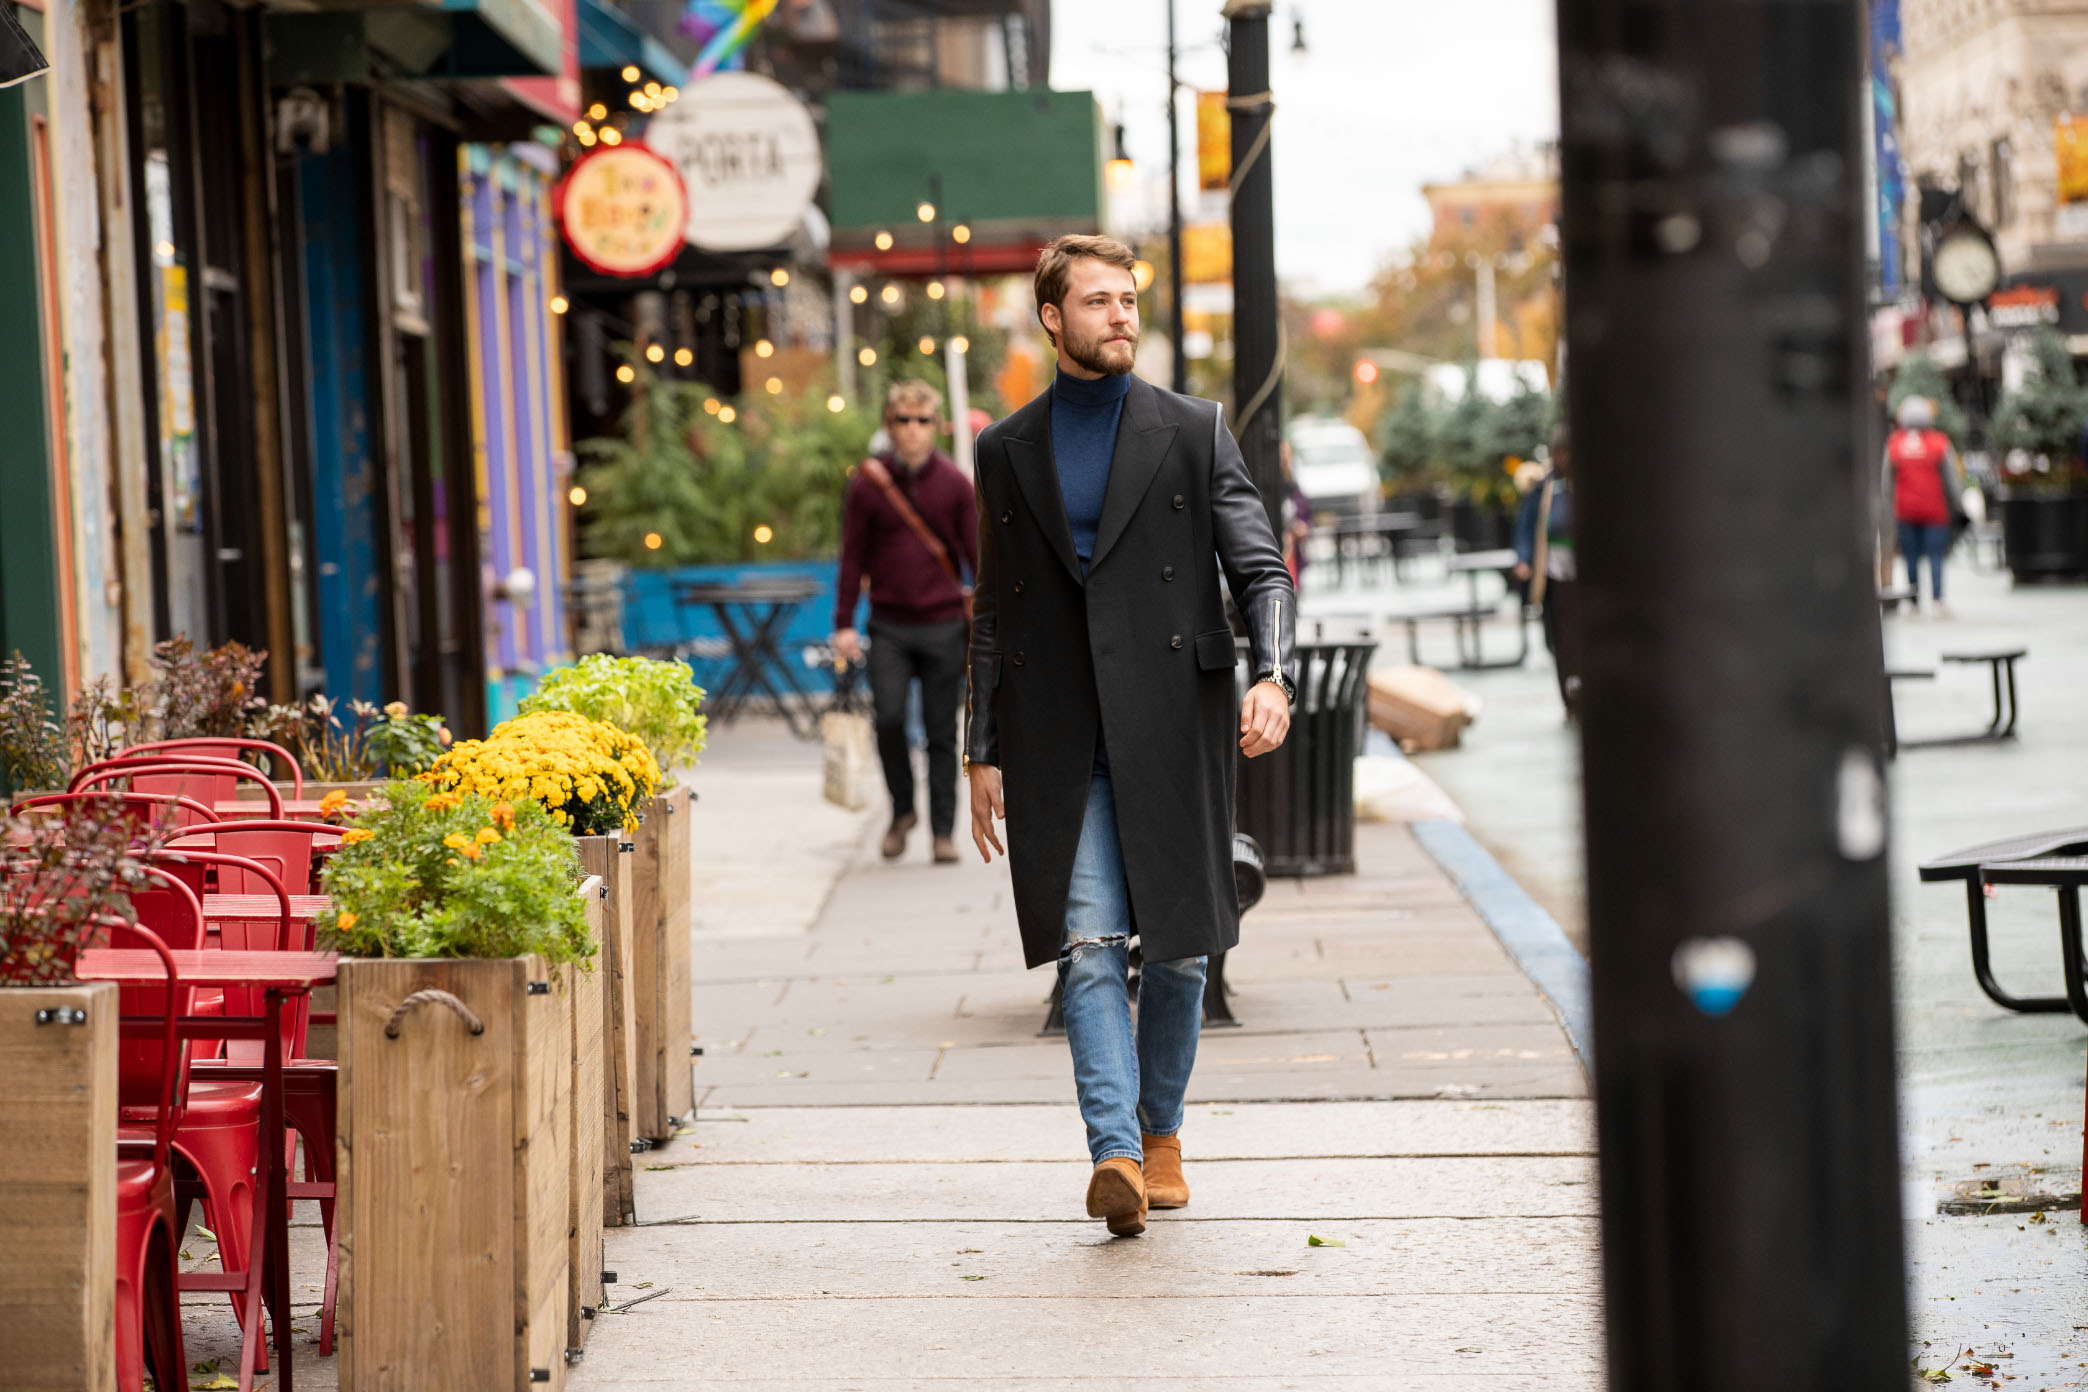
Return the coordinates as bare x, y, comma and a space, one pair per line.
1018, 587
1180, 502
1019, 659
1175, 642
1167, 572
1009, 516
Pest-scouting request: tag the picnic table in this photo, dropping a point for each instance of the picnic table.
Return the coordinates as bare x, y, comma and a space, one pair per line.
281, 976
2000, 664
755, 613
1978, 866
1365, 541
1469, 619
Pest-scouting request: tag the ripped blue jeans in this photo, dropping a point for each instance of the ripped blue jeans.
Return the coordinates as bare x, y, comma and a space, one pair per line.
1129, 1080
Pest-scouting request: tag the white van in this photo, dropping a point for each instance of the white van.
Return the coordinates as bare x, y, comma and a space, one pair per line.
1334, 466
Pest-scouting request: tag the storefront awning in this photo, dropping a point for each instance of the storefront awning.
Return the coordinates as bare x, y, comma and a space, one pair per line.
461, 39
611, 39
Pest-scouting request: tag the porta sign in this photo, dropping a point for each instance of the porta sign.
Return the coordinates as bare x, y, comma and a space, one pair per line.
623, 208
750, 155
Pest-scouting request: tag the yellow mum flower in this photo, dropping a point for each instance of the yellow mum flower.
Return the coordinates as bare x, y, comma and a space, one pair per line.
357, 837
488, 837
456, 841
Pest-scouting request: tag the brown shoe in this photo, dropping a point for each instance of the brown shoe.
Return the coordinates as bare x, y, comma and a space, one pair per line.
895, 835
1165, 1187
945, 851
1117, 1192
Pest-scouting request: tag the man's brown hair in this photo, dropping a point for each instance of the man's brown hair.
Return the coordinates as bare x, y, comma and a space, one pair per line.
912, 392
1055, 267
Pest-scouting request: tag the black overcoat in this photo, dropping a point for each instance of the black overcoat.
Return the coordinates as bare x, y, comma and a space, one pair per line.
1141, 650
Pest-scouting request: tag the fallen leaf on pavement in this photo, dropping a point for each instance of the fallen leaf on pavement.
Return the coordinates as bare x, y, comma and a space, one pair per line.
1311, 1241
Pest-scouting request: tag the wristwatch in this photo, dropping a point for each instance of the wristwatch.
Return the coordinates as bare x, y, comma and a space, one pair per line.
1275, 674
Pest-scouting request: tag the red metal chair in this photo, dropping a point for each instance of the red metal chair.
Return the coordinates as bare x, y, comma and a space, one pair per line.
209, 781
219, 747
220, 1131
285, 847
148, 1225
310, 1098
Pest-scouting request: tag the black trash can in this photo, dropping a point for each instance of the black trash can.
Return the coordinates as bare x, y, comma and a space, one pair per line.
1299, 803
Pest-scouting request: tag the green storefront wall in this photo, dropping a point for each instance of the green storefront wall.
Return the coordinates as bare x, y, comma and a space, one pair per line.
1016, 157
29, 581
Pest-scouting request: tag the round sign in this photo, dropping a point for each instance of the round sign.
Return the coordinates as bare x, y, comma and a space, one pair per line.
750, 155
622, 208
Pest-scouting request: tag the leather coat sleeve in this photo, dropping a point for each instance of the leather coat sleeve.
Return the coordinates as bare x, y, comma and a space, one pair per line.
981, 733
1253, 562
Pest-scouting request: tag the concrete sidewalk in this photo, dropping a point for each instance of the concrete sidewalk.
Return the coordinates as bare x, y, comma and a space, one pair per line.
883, 1187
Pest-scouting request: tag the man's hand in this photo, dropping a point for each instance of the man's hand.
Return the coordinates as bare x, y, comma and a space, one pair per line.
848, 646
1522, 571
1264, 719
985, 806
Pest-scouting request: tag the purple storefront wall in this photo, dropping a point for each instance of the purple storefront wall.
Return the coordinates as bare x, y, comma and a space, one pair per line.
524, 461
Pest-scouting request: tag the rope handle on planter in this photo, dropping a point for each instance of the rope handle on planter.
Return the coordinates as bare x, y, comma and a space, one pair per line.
432, 996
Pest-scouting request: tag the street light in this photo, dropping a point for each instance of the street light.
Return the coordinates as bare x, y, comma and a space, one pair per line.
925, 212
884, 241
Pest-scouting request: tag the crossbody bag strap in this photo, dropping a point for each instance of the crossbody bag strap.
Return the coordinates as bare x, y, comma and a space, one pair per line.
875, 471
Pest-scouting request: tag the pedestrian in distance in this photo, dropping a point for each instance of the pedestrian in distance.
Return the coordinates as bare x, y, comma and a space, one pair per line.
1105, 715
1544, 564
1926, 484
907, 528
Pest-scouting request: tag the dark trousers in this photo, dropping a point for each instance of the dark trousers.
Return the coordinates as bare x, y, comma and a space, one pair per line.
1563, 636
933, 654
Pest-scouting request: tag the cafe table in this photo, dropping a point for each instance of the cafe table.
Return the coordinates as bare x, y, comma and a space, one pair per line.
280, 977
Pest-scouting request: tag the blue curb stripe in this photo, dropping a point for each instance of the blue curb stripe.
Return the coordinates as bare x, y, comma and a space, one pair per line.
1532, 937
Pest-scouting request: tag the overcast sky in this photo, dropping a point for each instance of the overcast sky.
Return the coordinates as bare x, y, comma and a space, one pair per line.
1389, 95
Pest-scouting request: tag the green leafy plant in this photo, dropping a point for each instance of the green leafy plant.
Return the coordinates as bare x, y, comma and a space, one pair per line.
374, 742
1409, 454
1918, 375
65, 877
444, 874
659, 702
211, 691
2038, 425
32, 744
102, 719
694, 479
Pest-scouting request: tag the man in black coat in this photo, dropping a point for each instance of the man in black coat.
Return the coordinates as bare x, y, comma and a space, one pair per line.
1102, 704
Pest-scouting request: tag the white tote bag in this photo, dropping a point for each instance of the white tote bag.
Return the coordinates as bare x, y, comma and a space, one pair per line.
850, 758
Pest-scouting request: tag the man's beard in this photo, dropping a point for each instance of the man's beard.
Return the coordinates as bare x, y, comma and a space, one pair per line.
1101, 354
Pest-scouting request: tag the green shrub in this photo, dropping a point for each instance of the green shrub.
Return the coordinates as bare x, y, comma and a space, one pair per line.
431, 874
659, 702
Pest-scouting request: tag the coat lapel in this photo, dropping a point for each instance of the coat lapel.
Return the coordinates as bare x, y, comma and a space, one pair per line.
1036, 474
1142, 444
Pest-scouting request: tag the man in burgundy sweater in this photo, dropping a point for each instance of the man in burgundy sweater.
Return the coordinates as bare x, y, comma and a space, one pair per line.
917, 623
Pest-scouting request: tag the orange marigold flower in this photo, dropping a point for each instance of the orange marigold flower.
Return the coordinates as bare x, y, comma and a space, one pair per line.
504, 814
488, 837
470, 852
456, 840
357, 837
345, 921
332, 803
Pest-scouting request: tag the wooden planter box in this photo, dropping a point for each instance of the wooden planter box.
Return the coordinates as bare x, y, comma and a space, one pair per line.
455, 1168
58, 1189
612, 859
590, 1068
665, 1086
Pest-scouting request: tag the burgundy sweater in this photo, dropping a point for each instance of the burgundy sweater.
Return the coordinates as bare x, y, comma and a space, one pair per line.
907, 584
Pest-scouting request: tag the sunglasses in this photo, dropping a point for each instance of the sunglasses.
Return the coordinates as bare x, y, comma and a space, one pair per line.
913, 420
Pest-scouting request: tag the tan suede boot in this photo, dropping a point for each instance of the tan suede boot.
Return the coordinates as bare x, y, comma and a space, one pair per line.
1117, 1192
1165, 1187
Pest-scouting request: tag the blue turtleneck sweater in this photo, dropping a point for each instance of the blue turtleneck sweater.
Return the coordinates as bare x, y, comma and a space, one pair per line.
1084, 418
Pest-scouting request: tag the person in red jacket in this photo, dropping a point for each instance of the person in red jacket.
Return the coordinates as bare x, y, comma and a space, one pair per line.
909, 528
1924, 479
